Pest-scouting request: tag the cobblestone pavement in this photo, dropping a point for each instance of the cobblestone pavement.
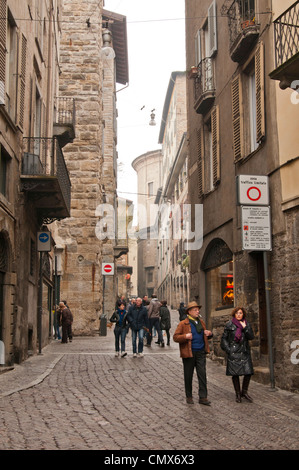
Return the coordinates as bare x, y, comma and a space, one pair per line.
78, 396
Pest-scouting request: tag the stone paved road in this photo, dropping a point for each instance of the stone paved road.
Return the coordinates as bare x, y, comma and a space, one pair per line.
78, 396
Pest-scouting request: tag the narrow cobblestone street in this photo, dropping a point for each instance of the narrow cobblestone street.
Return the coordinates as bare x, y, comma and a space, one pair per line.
78, 396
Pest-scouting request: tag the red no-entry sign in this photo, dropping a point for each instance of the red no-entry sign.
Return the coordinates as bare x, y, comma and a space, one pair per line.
107, 269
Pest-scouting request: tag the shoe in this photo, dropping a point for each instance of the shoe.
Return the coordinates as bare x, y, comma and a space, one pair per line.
140, 354
157, 342
238, 398
134, 355
162, 344
204, 401
189, 400
248, 398
116, 354
123, 354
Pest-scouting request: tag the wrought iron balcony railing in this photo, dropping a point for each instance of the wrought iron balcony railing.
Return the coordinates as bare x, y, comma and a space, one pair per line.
204, 84
243, 28
64, 119
286, 35
43, 158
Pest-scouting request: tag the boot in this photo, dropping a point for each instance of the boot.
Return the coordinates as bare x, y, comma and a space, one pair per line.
236, 382
245, 386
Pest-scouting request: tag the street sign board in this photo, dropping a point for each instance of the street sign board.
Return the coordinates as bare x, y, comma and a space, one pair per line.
256, 228
43, 241
252, 190
108, 269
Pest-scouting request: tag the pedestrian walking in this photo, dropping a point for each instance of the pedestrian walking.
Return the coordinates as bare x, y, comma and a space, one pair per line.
120, 318
66, 319
165, 322
182, 311
138, 320
192, 336
235, 342
154, 321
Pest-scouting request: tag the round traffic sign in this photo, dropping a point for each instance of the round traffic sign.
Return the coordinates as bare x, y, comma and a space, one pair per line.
107, 268
254, 193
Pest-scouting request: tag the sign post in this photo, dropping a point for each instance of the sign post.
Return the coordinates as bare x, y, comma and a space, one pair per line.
43, 245
253, 196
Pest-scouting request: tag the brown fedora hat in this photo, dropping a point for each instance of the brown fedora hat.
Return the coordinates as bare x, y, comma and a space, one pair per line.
192, 305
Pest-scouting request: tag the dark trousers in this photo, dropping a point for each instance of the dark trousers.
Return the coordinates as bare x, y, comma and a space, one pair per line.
198, 362
66, 332
154, 322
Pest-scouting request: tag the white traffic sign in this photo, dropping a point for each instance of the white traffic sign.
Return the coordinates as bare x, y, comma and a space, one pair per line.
252, 190
256, 228
43, 241
108, 269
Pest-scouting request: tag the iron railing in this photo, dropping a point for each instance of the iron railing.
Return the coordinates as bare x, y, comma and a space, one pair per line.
204, 82
286, 35
65, 111
241, 14
44, 157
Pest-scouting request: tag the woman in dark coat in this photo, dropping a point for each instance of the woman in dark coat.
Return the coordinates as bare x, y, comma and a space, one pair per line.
234, 342
165, 323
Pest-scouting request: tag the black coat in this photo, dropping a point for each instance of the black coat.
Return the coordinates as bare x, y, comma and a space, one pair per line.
238, 354
115, 319
137, 317
165, 323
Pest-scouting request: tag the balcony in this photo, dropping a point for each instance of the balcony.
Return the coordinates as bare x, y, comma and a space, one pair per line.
204, 86
243, 29
286, 39
45, 178
64, 120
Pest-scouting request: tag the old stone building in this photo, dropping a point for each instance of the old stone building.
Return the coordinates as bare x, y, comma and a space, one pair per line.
242, 127
35, 126
93, 57
148, 167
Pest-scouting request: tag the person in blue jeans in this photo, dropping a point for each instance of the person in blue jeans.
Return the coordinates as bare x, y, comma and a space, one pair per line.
120, 318
138, 319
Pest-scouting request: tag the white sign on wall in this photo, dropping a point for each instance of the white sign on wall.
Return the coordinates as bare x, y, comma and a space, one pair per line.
252, 190
256, 228
108, 269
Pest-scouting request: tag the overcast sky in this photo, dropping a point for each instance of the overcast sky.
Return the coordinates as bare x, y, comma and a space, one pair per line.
156, 48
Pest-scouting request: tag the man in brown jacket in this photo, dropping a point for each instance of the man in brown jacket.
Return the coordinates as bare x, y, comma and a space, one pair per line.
192, 336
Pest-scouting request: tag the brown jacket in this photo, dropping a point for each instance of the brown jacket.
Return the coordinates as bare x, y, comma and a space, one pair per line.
179, 336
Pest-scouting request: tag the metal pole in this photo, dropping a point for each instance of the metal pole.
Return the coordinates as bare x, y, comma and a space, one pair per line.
269, 329
40, 301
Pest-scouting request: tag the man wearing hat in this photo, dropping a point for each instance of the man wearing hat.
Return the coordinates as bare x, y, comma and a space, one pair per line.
192, 336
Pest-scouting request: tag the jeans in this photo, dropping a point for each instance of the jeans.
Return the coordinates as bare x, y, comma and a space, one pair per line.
198, 362
120, 334
140, 340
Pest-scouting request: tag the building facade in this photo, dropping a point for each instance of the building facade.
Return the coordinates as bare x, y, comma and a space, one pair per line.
237, 127
149, 172
173, 269
35, 126
93, 59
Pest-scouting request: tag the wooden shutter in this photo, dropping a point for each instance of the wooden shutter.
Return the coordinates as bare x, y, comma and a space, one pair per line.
198, 48
3, 27
200, 166
260, 93
212, 26
215, 144
21, 81
237, 117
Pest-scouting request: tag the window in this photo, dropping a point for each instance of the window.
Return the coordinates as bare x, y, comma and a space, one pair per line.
4, 166
220, 286
248, 111
209, 153
150, 276
150, 189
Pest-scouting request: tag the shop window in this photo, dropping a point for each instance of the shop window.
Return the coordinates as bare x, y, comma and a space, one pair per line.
220, 286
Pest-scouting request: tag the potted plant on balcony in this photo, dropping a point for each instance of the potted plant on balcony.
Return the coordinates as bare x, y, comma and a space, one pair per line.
249, 22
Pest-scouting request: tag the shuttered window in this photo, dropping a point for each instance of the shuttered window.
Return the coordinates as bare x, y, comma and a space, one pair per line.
200, 166
260, 93
215, 144
237, 117
3, 20
21, 80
